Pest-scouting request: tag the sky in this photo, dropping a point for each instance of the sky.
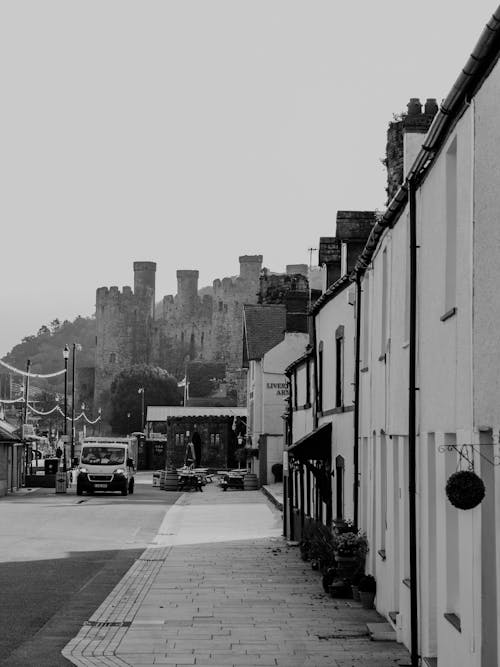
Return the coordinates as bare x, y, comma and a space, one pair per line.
190, 132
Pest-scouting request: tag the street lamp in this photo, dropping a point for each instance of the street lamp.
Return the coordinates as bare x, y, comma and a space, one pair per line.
141, 391
128, 423
76, 346
65, 429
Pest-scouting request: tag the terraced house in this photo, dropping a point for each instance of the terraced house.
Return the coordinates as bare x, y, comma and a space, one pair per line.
410, 396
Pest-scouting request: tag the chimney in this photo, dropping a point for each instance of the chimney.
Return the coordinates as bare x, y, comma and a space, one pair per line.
330, 257
405, 136
353, 230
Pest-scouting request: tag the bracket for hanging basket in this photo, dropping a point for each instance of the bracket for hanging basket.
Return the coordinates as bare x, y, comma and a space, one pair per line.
465, 489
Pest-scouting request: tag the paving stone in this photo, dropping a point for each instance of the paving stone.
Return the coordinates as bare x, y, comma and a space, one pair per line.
225, 602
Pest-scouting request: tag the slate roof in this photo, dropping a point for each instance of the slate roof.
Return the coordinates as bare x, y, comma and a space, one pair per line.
264, 327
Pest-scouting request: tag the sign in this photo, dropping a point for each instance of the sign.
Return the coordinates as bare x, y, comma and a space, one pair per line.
280, 388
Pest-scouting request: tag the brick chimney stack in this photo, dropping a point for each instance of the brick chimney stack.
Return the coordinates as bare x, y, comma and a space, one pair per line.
329, 256
405, 136
353, 230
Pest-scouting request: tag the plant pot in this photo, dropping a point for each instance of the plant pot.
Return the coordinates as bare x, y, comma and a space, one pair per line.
367, 599
355, 593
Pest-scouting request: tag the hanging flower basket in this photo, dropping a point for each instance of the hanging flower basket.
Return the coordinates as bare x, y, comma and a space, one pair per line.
465, 489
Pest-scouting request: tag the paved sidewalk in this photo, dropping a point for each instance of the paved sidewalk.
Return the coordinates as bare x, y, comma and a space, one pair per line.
220, 586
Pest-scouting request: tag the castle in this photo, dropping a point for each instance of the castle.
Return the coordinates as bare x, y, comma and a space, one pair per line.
133, 329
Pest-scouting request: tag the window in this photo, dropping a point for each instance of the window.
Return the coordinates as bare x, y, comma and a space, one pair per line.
384, 306
451, 229
365, 292
308, 383
339, 477
112, 358
452, 535
406, 326
295, 391
339, 367
383, 491
320, 377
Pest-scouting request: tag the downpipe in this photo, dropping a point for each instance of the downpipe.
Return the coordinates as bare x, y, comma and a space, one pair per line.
412, 436
356, 403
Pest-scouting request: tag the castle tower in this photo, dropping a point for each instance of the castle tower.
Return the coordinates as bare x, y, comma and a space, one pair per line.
250, 267
144, 283
187, 291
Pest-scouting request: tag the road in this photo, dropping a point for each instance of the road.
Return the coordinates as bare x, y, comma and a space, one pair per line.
60, 556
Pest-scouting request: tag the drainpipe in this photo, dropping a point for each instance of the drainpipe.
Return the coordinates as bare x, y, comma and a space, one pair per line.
356, 401
412, 436
315, 362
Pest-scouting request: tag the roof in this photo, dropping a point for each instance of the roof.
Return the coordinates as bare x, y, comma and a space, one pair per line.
264, 328
7, 432
160, 413
334, 289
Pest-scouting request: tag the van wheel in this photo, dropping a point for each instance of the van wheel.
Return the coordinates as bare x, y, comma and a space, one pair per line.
131, 486
79, 490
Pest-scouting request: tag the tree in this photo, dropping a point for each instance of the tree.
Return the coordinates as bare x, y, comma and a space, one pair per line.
160, 388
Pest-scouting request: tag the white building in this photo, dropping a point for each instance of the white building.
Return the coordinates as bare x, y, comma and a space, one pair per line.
429, 378
426, 365
268, 349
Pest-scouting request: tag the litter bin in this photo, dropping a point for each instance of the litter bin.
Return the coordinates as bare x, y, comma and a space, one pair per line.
61, 482
51, 466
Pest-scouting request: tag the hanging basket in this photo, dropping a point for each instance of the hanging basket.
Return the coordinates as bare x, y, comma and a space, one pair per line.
465, 489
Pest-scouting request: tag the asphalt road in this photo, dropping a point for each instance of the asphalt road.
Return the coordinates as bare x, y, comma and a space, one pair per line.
60, 556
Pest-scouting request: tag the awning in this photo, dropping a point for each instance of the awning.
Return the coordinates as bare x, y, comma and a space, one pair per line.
316, 445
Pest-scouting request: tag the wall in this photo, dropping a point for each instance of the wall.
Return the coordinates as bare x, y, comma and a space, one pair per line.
486, 235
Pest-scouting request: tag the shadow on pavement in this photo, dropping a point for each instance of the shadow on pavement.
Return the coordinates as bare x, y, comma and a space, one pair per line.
45, 603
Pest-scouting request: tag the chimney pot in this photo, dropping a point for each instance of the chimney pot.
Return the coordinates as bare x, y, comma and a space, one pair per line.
414, 107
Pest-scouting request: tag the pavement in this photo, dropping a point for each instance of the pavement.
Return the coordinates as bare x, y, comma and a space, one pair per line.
219, 585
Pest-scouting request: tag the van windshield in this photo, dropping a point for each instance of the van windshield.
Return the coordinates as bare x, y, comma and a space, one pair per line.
103, 455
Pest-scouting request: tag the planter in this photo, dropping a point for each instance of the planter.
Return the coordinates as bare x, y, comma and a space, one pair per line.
355, 593
340, 589
465, 489
367, 599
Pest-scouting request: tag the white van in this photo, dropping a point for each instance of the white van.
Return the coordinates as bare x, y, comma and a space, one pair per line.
106, 464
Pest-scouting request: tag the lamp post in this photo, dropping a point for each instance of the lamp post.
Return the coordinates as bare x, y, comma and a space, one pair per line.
65, 426
128, 423
76, 346
141, 392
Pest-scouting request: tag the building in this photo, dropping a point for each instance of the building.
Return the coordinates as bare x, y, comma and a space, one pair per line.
193, 326
169, 429
426, 377
270, 341
320, 469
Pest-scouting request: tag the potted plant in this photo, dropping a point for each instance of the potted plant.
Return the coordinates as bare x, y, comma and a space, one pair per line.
367, 588
277, 470
355, 579
465, 489
350, 545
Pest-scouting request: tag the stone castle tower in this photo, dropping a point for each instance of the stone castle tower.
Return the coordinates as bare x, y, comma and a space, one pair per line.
187, 326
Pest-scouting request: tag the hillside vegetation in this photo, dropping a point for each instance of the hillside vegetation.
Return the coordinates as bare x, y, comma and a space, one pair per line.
45, 349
